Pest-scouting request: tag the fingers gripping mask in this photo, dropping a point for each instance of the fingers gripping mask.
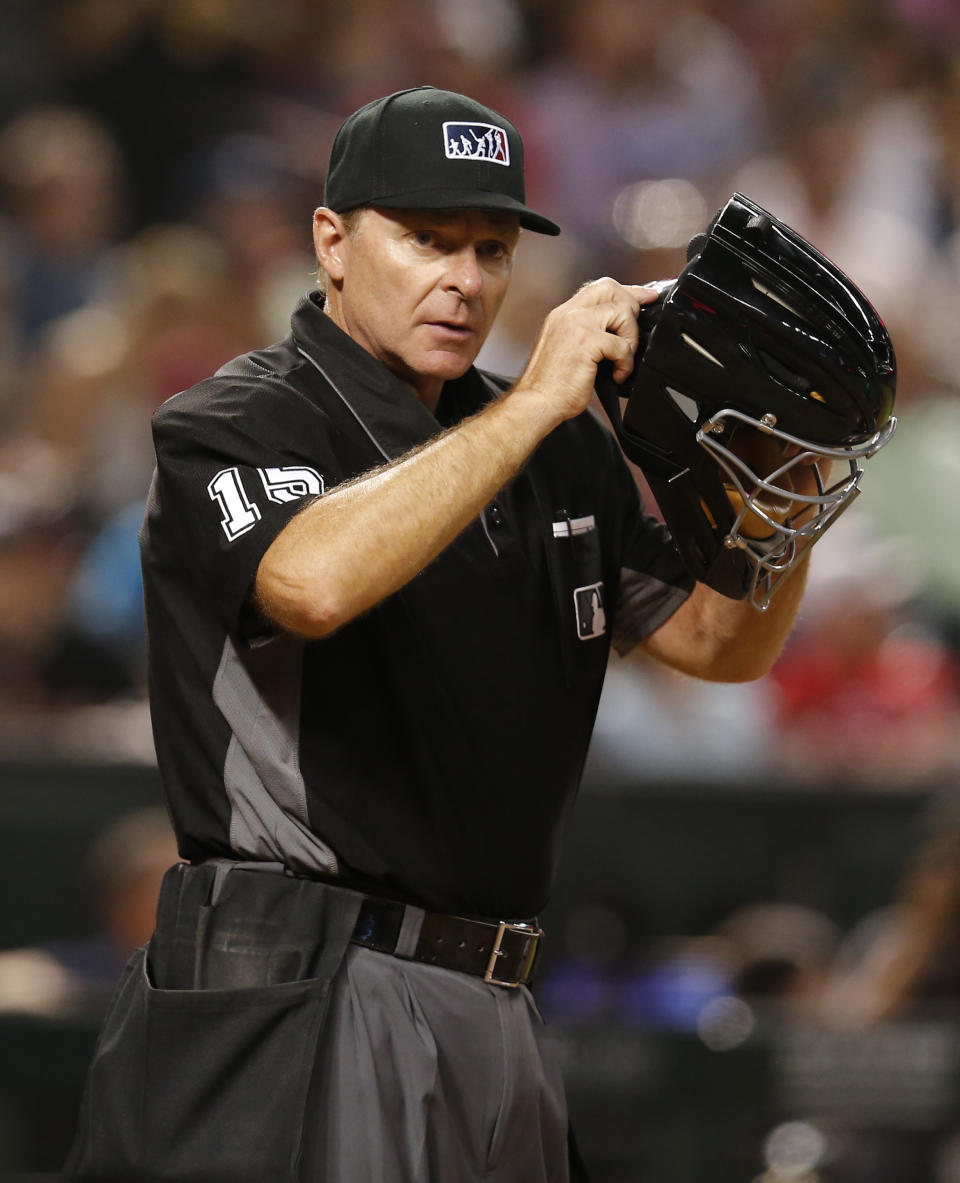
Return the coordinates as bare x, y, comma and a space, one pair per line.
764, 379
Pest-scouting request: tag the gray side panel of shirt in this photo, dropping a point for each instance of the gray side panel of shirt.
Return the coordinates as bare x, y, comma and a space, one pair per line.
258, 691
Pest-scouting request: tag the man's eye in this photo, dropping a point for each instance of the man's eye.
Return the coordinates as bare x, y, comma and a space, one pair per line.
424, 238
494, 250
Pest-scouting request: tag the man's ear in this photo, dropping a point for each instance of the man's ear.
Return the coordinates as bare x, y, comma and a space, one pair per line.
329, 237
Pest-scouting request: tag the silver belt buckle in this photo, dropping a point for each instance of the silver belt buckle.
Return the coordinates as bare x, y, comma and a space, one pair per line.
533, 936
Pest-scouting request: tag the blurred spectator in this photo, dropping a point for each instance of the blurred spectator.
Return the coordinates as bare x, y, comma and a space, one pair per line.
35, 567
898, 970
175, 290
864, 693
26, 64
782, 37
61, 180
910, 503
906, 955
99, 651
156, 223
774, 957
81, 455
165, 76
852, 164
124, 867
656, 724
638, 89
781, 956
257, 204
165, 314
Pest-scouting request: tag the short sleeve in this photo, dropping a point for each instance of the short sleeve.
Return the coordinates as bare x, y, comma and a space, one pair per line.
235, 464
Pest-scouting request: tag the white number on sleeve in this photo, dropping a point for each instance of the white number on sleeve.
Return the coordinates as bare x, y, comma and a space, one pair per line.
239, 512
291, 483
281, 486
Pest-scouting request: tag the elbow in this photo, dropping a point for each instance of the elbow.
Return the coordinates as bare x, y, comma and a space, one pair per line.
716, 658
721, 640
720, 666
735, 658
746, 658
308, 609
313, 621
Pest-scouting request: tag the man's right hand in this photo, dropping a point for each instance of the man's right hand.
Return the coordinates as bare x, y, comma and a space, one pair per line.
599, 322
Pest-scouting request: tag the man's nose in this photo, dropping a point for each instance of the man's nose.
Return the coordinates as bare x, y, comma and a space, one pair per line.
465, 275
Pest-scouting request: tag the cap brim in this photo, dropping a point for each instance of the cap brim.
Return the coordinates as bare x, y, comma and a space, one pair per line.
469, 199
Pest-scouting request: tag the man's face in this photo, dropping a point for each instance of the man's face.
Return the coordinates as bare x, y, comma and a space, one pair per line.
421, 288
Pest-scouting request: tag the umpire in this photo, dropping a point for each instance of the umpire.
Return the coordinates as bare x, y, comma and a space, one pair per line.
381, 588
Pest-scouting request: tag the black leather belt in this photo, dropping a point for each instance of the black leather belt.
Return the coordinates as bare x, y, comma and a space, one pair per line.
501, 953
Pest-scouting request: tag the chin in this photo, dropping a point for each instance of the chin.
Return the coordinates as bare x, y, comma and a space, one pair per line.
447, 367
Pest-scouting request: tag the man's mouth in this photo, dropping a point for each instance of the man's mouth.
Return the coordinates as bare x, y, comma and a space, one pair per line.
451, 327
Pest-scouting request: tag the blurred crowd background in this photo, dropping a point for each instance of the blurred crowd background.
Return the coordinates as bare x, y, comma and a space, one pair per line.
159, 164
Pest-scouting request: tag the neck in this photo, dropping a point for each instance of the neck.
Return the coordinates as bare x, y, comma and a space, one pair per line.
427, 390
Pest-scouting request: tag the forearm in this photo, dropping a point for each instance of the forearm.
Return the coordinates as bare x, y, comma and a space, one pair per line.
724, 640
368, 537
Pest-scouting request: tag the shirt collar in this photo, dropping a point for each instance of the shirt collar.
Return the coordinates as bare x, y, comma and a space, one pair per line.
390, 413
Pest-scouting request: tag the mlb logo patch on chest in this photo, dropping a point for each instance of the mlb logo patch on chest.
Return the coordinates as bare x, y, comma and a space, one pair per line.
591, 611
476, 141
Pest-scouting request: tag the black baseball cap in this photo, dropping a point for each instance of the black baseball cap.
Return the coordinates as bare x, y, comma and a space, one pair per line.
430, 149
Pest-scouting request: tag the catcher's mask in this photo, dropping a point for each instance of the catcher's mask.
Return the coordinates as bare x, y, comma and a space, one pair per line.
759, 359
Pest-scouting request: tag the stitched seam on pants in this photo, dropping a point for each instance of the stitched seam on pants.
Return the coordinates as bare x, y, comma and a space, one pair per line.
501, 1121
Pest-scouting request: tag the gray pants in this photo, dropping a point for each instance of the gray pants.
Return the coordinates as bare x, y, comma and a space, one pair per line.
255, 1044
431, 1076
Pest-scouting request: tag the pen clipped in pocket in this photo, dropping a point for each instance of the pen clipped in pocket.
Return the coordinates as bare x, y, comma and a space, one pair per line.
576, 572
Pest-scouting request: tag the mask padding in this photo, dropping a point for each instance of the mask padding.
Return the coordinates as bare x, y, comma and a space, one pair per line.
696, 245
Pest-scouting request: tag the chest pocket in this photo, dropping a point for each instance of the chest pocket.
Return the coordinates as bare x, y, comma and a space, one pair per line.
582, 600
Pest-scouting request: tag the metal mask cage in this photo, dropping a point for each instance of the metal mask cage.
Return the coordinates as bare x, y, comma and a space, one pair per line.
774, 557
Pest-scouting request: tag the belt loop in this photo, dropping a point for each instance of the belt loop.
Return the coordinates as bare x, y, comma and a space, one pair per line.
223, 867
221, 871
409, 933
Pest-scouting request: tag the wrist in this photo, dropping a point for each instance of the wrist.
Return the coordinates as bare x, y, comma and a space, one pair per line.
530, 412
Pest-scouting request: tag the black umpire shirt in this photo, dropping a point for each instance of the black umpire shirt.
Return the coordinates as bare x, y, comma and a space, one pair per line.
431, 749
